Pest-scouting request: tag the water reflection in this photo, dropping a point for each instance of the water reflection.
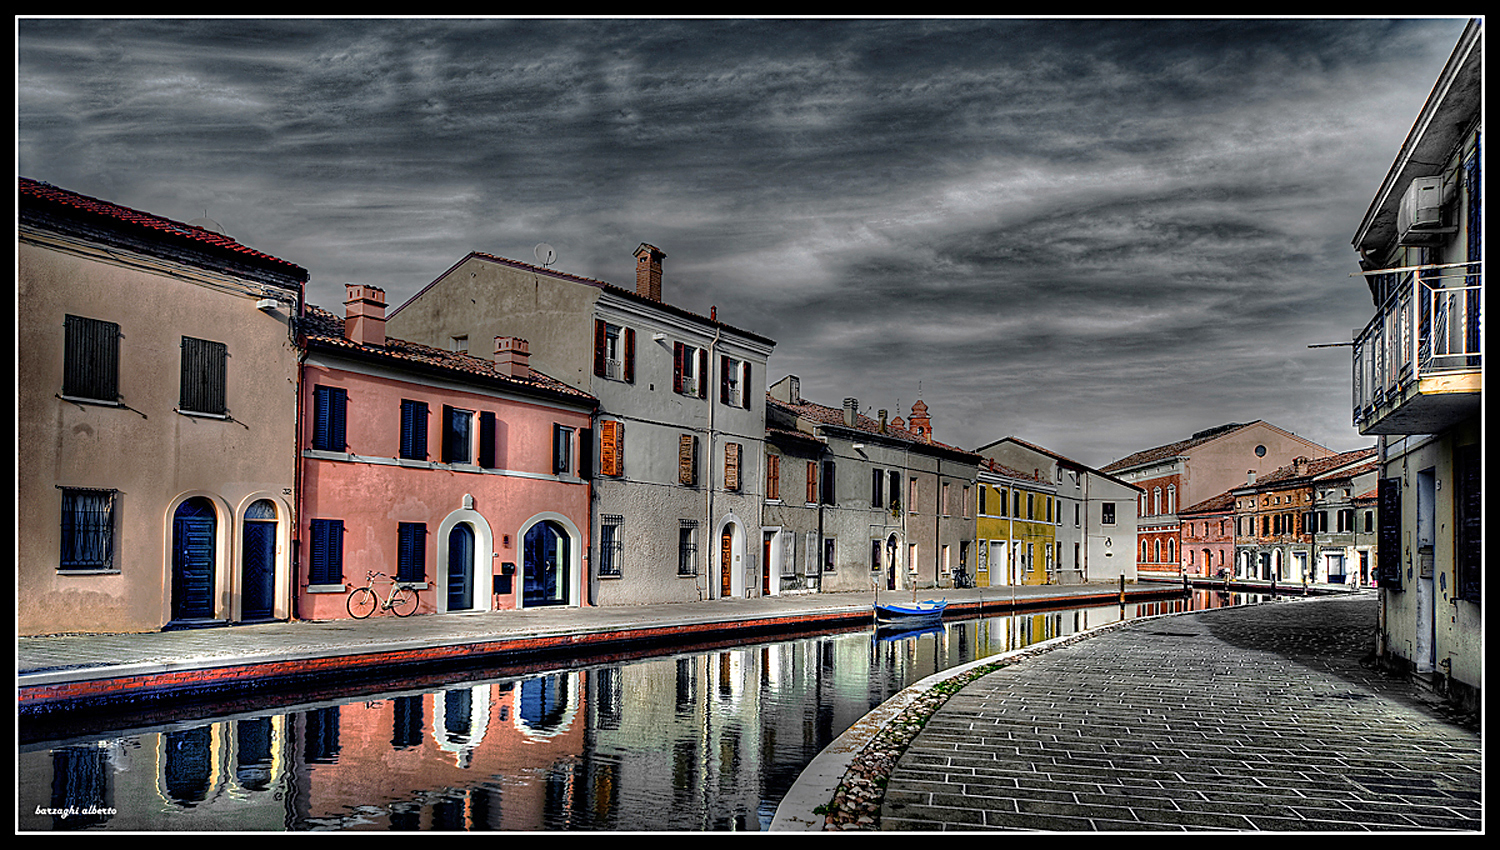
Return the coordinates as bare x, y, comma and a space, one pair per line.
704, 741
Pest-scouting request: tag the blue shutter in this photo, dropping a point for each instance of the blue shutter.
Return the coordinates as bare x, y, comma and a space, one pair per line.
411, 551
327, 566
328, 419
487, 439
413, 430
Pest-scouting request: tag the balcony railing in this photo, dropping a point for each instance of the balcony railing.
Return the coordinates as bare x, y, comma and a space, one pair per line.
1429, 327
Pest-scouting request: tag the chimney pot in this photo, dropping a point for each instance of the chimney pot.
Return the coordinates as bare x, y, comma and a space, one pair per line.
364, 314
851, 411
882, 421
648, 271
512, 356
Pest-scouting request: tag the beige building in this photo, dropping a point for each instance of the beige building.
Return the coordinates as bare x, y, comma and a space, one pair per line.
156, 421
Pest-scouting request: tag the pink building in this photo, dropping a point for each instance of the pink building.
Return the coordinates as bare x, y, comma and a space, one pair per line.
458, 474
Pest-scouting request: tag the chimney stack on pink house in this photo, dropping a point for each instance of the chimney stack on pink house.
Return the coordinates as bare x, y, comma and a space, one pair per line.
364, 314
648, 271
512, 356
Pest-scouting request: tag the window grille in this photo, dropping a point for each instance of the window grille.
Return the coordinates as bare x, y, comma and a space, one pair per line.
88, 529
687, 547
610, 544
91, 359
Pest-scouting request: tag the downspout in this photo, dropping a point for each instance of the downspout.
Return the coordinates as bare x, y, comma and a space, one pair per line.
708, 471
299, 341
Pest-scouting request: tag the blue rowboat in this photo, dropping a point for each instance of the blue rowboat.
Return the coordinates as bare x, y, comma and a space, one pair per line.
910, 613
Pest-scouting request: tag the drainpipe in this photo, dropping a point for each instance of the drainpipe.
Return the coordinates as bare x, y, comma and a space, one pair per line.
708, 472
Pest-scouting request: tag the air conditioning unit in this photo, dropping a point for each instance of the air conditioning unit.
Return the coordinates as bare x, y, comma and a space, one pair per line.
1420, 215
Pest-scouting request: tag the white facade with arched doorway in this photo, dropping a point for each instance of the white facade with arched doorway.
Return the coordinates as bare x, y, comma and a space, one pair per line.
728, 559
481, 559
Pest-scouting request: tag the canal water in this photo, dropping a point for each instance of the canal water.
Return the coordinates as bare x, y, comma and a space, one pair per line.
710, 739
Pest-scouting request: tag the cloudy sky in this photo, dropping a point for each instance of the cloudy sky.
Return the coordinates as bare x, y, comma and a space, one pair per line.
1097, 235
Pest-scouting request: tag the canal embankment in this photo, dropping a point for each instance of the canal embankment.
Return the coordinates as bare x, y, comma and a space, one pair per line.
60, 675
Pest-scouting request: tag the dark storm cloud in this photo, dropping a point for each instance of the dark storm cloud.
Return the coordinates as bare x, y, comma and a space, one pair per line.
1095, 234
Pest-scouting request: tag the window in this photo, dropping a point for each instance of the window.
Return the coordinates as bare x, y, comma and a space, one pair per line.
413, 429
459, 344
88, 529
773, 477
611, 446
687, 460
458, 442
1346, 520
1031, 506
1078, 515
326, 552
328, 418
875, 549
411, 551
947, 508
731, 466
1107, 513
984, 490
687, 547
911, 496
689, 370
828, 496
877, 488
610, 544
734, 382
1016, 503
203, 375
562, 450
91, 359
966, 502
614, 352
828, 554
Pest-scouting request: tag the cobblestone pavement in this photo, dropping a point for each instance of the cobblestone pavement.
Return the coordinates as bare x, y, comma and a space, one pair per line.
1253, 719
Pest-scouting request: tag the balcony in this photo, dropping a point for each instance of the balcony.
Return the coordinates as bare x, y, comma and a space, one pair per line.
1417, 363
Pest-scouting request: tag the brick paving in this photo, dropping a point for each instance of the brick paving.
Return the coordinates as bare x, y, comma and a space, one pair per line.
1252, 719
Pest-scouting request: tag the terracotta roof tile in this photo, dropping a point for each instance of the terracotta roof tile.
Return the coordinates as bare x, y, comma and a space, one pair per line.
1171, 450
165, 227
327, 330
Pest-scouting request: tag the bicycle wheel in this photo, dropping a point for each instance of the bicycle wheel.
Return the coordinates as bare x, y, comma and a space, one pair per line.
404, 602
362, 603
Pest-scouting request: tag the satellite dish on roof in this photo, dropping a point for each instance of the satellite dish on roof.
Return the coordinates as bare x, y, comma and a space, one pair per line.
545, 254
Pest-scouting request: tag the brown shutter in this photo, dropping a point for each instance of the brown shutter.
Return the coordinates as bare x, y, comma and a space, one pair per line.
629, 355
687, 460
702, 373
812, 481
731, 466
679, 354
773, 477
723, 379
599, 347
745, 385
609, 448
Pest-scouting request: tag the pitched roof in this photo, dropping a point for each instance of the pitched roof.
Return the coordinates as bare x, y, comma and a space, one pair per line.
588, 281
1171, 450
998, 468
1314, 468
326, 330
824, 415
1218, 504
44, 195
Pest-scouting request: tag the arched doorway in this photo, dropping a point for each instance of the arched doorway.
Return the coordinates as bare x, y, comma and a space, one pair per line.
890, 562
258, 562
726, 562
194, 541
460, 568
548, 557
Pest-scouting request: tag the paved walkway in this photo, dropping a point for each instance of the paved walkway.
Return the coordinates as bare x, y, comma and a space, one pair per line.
1250, 719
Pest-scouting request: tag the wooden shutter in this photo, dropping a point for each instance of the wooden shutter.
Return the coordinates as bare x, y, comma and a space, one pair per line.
450, 436
91, 358
679, 355
1467, 510
414, 430
487, 439
731, 466
609, 447
687, 460
745, 385
411, 551
877, 483
202, 381
328, 419
629, 355
828, 481
327, 555
599, 341
812, 481
724, 379
773, 476
702, 373
1388, 546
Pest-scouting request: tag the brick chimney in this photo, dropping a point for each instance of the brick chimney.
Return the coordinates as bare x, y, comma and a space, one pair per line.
364, 314
648, 271
512, 357
883, 423
851, 411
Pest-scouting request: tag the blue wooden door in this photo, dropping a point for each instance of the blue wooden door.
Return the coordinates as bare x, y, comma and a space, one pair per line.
193, 532
259, 561
460, 568
546, 564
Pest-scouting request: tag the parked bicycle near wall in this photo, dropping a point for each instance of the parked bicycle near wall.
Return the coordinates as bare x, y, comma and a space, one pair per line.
401, 600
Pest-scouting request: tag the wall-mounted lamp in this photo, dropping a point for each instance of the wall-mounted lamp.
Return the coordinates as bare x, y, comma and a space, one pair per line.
266, 305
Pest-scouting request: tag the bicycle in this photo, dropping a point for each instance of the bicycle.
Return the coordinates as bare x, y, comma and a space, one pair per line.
401, 600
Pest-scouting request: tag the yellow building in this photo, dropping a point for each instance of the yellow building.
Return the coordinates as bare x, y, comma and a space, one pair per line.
1015, 528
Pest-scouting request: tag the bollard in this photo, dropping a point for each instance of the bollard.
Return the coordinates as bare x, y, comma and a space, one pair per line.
1122, 588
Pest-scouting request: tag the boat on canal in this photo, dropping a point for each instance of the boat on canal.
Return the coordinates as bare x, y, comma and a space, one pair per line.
910, 614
